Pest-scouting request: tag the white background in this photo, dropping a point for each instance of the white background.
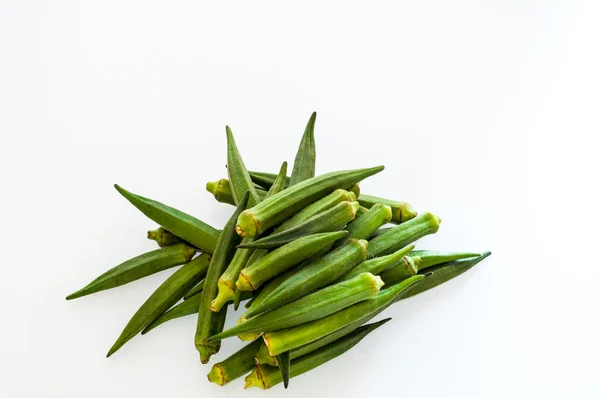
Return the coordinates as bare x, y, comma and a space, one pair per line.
486, 113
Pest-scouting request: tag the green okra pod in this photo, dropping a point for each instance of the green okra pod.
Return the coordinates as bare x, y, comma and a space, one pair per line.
403, 234
188, 228
266, 180
363, 227
239, 179
378, 264
221, 190
330, 220
355, 189
403, 270
164, 238
163, 298
322, 272
316, 208
428, 258
280, 182
401, 211
194, 291
284, 364
272, 211
209, 322
137, 268
306, 157
226, 283
237, 365
314, 306
283, 258
444, 272
264, 376
287, 339
380, 231
187, 307
362, 210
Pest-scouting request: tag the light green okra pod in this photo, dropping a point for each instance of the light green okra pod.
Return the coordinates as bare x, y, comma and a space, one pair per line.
287, 339
264, 376
363, 227
401, 211
283, 258
306, 156
428, 258
209, 322
239, 179
280, 182
188, 228
272, 211
221, 190
403, 234
378, 264
330, 220
405, 269
164, 238
311, 307
265, 180
327, 269
380, 231
237, 365
226, 283
163, 298
137, 268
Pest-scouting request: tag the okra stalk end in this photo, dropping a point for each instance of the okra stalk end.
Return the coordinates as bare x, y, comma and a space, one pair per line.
247, 336
408, 213
243, 283
256, 378
225, 294
355, 189
216, 375
247, 225
207, 350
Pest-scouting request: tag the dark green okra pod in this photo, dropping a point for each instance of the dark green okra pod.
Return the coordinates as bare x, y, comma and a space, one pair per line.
378, 264
401, 211
164, 238
209, 322
404, 269
363, 227
163, 298
330, 220
194, 291
322, 272
188, 228
264, 376
280, 182
237, 365
239, 179
265, 180
428, 258
137, 268
403, 234
187, 307
311, 307
272, 211
306, 156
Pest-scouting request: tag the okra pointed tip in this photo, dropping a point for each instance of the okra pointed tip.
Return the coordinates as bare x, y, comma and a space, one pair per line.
486, 254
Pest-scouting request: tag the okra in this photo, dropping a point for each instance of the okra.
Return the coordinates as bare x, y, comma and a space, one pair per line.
403, 234
194, 291
380, 231
378, 264
362, 210
283, 258
209, 322
287, 339
363, 227
264, 376
355, 189
279, 183
187, 307
237, 365
428, 258
164, 238
226, 283
265, 180
272, 211
163, 298
444, 272
328, 221
306, 156
188, 228
137, 268
404, 269
239, 179
314, 306
327, 269
221, 190
401, 211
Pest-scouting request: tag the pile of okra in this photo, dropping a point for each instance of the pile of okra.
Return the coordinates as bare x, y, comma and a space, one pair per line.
311, 258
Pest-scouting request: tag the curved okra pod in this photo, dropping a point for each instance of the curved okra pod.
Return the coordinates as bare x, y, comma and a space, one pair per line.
444, 272
401, 211
221, 190
188, 228
239, 179
287, 339
280, 182
316, 208
210, 322
237, 365
194, 291
272, 211
330, 220
363, 227
163, 298
264, 376
188, 307
164, 238
283, 258
311, 307
378, 264
137, 268
399, 272
325, 270
428, 258
306, 156
403, 234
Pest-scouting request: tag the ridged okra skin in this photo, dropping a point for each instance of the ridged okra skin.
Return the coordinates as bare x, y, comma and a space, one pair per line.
137, 268
279, 184
401, 271
401, 211
194, 291
188, 228
272, 211
428, 258
237, 365
265, 180
363, 227
379, 264
221, 190
239, 179
306, 156
164, 238
188, 307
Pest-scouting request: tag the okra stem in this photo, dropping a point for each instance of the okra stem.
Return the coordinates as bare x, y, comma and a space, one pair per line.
164, 238
237, 365
401, 211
